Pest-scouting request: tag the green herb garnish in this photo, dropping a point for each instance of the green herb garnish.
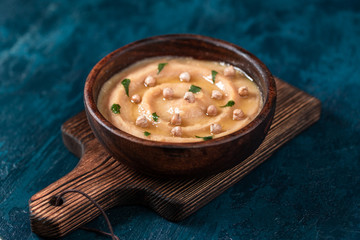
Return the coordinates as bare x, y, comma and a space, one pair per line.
115, 108
155, 117
126, 83
228, 104
205, 138
146, 133
213, 74
194, 89
160, 67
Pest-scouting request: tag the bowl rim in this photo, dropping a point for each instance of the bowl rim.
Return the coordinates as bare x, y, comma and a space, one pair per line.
91, 106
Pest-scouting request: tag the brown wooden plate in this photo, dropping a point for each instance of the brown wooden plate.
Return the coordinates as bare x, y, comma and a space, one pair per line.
111, 183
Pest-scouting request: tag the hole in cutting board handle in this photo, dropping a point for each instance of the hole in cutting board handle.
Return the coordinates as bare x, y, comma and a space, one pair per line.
53, 201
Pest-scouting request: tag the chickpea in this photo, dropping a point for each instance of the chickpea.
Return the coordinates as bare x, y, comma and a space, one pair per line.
175, 119
243, 91
238, 114
149, 81
142, 121
216, 94
136, 98
190, 97
168, 93
215, 128
211, 110
176, 131
185, 76
229, 71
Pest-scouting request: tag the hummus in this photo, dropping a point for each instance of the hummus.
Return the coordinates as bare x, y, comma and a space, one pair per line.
177, 99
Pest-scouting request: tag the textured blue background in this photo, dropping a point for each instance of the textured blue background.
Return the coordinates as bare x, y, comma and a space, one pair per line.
308, 190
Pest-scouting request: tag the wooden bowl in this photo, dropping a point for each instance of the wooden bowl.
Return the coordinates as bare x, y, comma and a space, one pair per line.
180, 159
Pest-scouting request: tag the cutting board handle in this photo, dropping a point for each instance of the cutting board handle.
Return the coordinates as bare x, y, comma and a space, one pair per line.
98, 175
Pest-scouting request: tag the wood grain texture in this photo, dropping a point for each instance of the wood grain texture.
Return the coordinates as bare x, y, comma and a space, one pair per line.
110, 183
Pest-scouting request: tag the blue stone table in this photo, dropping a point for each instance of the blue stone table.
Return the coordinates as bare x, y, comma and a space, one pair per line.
309, 189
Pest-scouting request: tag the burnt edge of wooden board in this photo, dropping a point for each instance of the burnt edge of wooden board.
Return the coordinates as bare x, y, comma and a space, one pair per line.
173, 199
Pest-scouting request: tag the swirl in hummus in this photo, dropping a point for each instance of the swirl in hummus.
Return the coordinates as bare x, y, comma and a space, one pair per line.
178, 99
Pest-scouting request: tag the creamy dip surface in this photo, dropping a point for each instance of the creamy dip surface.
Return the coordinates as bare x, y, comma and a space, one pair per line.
176, 99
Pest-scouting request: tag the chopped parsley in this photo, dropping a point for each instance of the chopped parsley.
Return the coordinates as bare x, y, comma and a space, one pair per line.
160, 67
205, 138
146, 133
155, 117
194, 89
229, 104
115, 108
213, 75
126, 83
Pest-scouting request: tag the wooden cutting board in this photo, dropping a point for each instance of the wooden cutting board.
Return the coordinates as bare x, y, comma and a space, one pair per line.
110, 183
